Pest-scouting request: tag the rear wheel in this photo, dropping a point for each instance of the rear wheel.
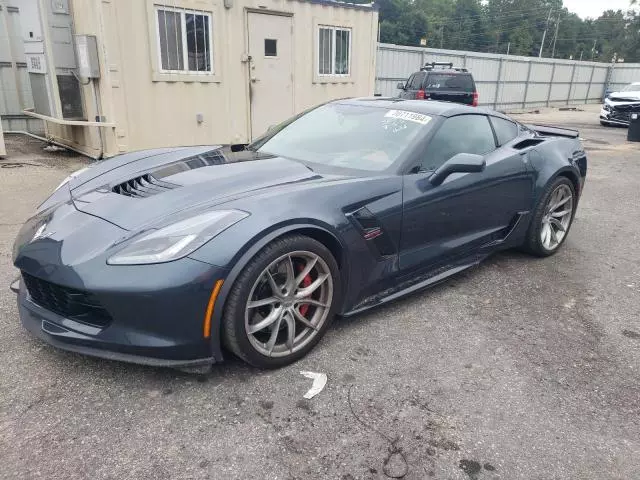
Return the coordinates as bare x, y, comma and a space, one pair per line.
552, 218
282, 303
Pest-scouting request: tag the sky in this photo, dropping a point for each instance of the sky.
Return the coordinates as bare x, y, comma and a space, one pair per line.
594, 8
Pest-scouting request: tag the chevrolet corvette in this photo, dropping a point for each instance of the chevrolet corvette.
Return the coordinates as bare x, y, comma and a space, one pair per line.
178, 256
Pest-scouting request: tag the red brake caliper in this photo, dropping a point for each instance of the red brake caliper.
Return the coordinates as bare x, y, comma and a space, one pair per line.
306, 281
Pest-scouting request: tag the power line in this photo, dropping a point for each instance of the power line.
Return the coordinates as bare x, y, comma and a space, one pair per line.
510, 15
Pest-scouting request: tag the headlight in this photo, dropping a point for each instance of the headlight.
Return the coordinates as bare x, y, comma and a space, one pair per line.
176, 240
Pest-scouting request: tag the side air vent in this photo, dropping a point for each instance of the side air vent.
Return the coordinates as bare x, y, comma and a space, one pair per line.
529, 142
143, 186
372, 231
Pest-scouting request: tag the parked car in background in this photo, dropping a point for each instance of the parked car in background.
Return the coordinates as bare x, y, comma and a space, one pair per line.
441, 81
618, 106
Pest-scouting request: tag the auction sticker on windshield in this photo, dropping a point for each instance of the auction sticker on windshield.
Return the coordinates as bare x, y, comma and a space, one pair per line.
411, 116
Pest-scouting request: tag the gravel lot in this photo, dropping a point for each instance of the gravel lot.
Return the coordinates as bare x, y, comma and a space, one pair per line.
519, 369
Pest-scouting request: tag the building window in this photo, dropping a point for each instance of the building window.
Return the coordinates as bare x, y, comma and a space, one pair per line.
184, 41
270, 47
334, 51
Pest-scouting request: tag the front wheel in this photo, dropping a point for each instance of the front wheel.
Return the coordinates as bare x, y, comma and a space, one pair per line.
552, 218
282, 303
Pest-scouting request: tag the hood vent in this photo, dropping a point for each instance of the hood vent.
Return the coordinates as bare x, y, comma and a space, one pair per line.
143, 186
151, 183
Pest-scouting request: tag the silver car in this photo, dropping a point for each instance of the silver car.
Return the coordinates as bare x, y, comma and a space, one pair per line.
618, 106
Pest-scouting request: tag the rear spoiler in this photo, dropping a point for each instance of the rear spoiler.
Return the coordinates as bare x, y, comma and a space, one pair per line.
554, 131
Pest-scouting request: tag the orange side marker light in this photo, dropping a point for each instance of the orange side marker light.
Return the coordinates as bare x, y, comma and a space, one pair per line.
210, 307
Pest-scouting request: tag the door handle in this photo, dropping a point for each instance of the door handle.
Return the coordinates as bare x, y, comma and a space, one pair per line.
254, 79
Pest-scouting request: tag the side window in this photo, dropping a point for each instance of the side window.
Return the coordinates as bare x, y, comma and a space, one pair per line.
410, 81
506, 130
416, 81
460, 134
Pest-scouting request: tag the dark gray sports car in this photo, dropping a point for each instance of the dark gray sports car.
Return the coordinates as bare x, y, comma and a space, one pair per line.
166, 256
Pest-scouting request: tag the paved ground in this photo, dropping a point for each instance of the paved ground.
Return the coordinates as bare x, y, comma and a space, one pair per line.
520, 369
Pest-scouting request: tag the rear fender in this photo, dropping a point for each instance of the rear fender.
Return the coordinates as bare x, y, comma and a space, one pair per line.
555, 157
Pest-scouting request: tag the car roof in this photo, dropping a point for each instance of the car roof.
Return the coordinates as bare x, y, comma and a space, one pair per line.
425, 107
448, 71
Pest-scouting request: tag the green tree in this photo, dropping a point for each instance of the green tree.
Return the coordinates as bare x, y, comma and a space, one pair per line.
516, 25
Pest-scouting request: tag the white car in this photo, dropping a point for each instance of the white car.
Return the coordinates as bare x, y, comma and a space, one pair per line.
619, 106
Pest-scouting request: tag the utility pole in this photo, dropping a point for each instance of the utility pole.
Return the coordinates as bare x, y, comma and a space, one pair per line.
555, 37
442, 35
544, 35
581, 53
508, 47
593, 50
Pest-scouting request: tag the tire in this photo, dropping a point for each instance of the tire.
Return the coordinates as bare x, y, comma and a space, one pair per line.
267, 278
535, 242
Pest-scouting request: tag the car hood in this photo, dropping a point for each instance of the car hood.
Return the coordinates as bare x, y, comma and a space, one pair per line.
624, 97
135, 191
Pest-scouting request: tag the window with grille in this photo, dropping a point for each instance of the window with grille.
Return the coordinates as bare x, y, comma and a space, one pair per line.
184, 40
334, 51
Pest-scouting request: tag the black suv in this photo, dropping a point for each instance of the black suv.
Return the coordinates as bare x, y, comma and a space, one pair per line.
441, 81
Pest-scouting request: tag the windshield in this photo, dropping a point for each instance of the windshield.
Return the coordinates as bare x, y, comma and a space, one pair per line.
632, 87
350, 136
449, 81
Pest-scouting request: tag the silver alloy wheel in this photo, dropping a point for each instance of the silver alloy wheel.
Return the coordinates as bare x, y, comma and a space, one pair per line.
288, 304
557, 217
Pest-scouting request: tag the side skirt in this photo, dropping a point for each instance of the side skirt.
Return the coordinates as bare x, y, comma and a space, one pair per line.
419, 282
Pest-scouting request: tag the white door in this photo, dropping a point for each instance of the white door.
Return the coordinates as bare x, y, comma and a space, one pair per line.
271, 70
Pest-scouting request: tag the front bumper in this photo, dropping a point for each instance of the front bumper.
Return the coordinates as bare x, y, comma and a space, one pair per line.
614, 118
64, 339
151, 324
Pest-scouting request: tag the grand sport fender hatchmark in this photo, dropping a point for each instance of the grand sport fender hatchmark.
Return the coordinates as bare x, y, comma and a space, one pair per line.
165, 257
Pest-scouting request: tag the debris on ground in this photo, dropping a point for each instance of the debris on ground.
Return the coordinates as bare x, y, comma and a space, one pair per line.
319, 382
54, 148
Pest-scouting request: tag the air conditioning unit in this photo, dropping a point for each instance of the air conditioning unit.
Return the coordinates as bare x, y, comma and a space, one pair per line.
56, 58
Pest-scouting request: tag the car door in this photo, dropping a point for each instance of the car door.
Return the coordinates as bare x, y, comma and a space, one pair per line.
468, 210
413, 85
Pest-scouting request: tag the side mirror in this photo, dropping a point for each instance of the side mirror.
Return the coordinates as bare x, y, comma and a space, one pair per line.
460, 163
238, 147
400, 86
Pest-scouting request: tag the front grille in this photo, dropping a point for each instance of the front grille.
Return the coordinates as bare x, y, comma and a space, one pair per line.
143, 186
622, 116
69, 302
623, 112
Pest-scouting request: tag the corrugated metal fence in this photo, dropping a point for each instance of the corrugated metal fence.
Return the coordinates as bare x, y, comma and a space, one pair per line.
508, 81
15, 89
